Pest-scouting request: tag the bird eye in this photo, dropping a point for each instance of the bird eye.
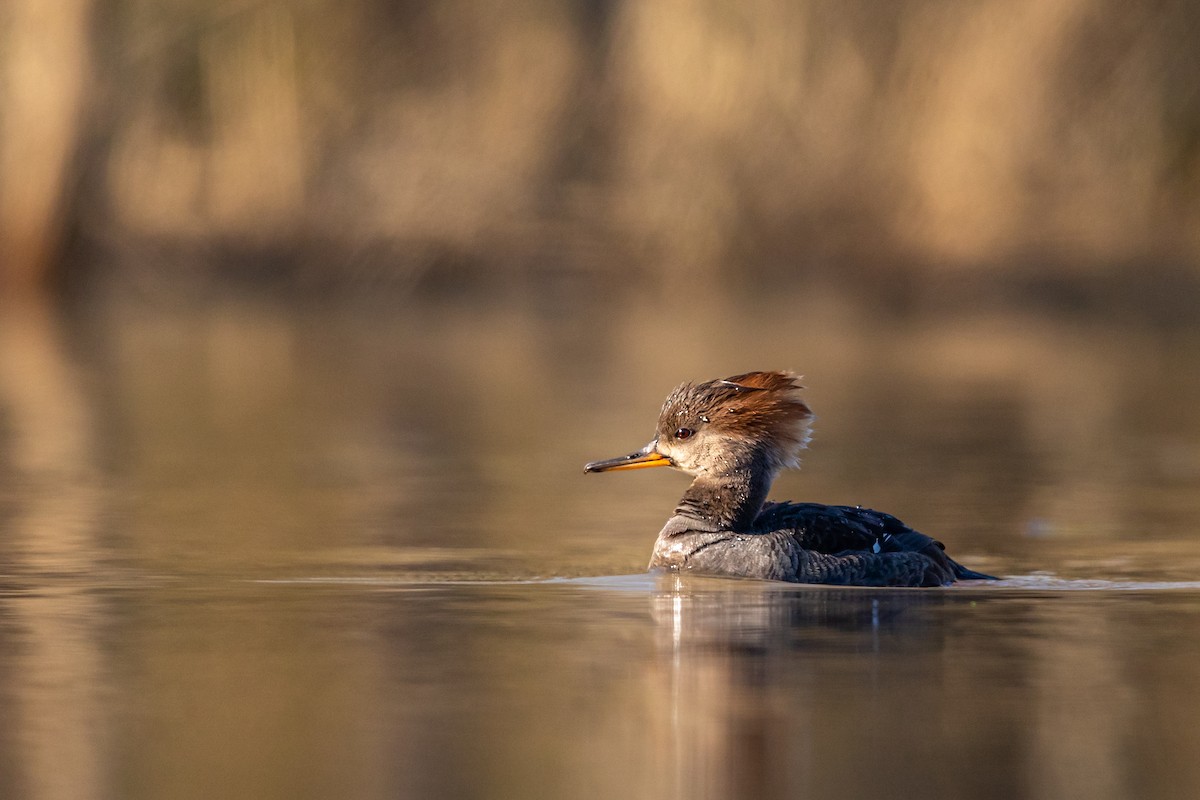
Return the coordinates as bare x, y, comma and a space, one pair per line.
684, 433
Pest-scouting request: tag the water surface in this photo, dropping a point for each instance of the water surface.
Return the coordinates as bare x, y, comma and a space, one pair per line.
250, 549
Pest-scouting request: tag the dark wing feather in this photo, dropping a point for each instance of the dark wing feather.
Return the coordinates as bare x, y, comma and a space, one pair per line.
852, 530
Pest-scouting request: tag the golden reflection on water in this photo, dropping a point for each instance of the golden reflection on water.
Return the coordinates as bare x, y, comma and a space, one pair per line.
52, 503
772, 693
632, 688
231, 531
247, 435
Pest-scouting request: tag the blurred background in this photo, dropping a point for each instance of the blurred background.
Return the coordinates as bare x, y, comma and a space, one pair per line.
302, 303
922, 148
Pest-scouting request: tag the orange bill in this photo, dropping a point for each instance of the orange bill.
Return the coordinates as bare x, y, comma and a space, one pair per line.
646, 457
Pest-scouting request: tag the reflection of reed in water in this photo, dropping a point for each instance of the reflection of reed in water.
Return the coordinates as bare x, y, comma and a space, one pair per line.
54, 669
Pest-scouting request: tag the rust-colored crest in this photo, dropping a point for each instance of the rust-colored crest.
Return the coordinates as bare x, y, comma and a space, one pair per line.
764, 406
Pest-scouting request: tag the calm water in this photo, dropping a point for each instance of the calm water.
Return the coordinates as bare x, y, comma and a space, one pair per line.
253, 550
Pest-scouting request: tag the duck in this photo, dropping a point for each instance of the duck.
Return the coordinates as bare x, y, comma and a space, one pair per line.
734, 436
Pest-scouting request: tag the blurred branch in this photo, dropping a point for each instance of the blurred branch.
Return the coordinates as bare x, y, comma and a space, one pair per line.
677, 141
44, 63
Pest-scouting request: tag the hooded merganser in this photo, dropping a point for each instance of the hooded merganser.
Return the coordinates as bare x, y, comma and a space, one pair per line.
734, 436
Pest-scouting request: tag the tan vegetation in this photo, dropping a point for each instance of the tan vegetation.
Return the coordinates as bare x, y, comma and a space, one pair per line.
671, 138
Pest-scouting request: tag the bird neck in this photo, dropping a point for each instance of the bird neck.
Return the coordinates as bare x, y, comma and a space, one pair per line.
730, 500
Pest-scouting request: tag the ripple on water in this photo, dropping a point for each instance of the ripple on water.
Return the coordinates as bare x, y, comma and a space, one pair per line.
1049, 582
646, 582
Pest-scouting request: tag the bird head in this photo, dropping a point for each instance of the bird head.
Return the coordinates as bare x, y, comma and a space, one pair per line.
723, 425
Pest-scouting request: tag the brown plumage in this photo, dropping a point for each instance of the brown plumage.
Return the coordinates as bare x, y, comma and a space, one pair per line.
734, 435
763, 405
